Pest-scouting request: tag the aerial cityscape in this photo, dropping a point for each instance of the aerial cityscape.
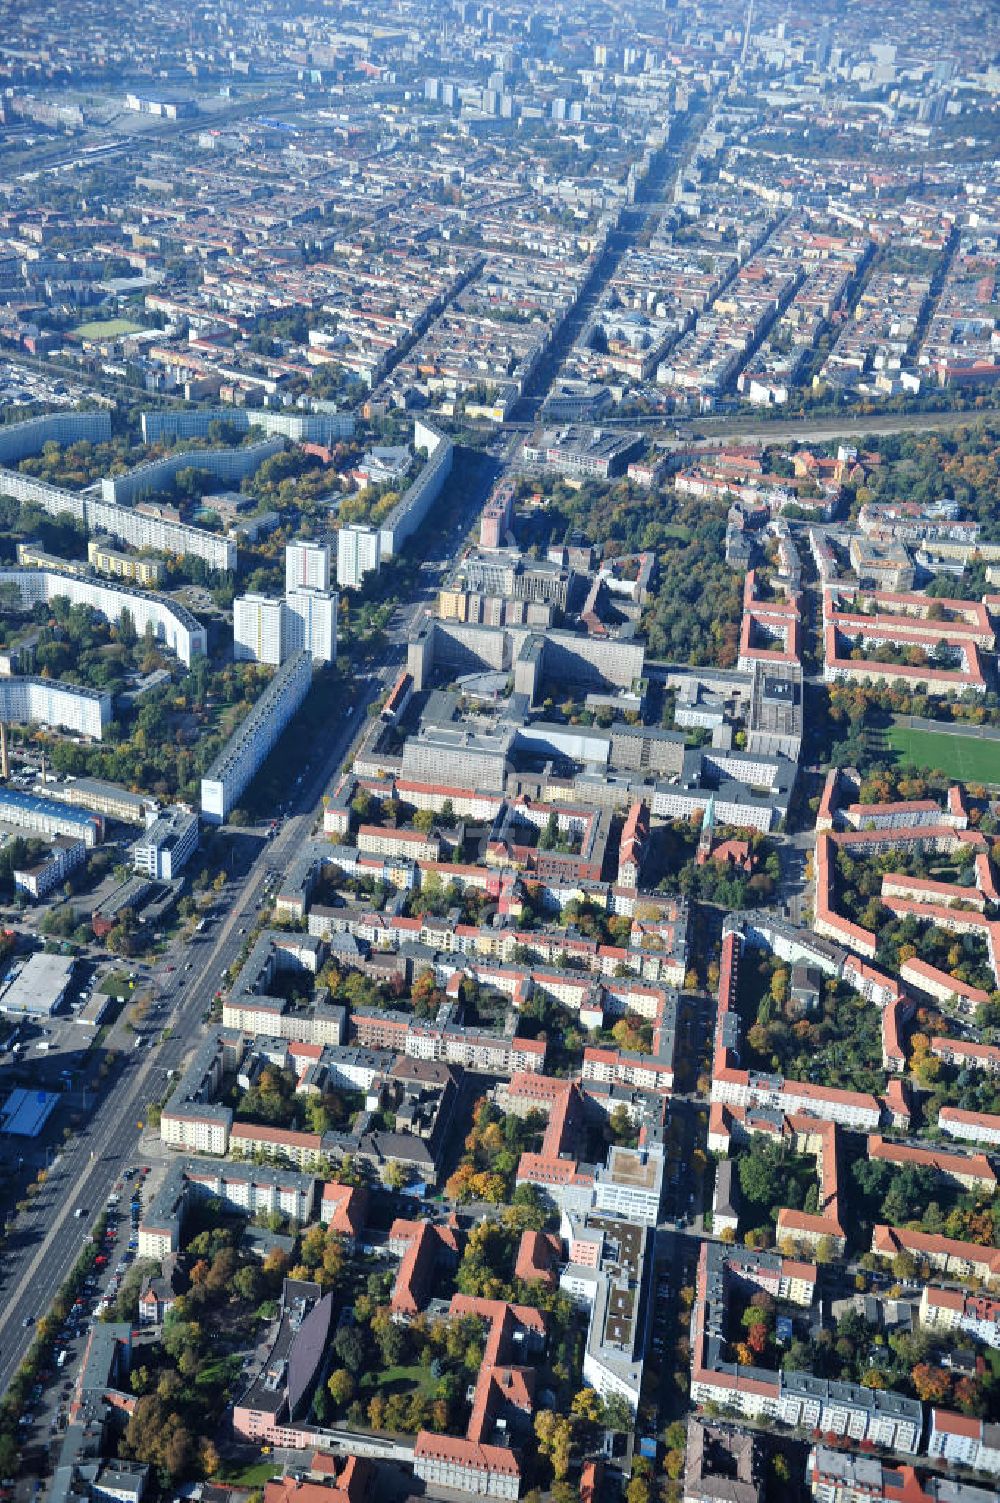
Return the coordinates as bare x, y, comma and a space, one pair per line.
499, 751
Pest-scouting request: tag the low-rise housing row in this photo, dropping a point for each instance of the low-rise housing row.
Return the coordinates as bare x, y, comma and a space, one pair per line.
946, 1255
837, 1476
944, 1309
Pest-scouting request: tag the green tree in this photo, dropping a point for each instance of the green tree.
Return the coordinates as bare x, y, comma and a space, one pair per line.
618, 1413
351, 1348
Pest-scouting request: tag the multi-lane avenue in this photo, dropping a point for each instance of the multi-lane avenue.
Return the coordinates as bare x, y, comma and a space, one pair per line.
47, 1238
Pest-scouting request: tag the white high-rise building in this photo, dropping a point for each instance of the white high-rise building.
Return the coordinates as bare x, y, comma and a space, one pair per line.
358, 553
259, 629
311, 623
307, 566
49, 701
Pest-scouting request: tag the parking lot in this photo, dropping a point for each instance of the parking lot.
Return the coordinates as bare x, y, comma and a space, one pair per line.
53, 1395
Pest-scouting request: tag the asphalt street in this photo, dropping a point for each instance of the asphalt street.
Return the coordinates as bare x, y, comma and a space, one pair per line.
47, 1238
45, 1241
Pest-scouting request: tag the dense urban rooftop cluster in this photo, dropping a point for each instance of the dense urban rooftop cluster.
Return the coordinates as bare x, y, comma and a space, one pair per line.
500, 752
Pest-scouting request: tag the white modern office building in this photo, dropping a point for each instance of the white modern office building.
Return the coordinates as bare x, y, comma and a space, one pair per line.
359, 553
65, 854
259, 629
307, 566
168, 844
248, 747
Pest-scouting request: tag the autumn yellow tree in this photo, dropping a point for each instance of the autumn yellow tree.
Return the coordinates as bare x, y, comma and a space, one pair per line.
554, 1433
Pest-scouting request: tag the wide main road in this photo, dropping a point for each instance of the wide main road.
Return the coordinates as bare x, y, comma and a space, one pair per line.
46, 1240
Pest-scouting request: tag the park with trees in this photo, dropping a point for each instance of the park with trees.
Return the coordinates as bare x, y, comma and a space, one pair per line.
837, 1045
694, 613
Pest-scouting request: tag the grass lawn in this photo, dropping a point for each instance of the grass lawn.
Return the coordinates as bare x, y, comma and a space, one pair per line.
964, 757
115, 985
400, 1379
254, 1475
108, 328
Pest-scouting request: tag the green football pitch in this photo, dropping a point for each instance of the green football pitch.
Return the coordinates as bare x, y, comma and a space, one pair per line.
108, 328
964, 757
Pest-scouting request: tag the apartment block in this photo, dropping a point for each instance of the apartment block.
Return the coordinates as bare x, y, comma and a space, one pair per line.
62, 706
130, 566
170, 622
608, 1272
259, 629
248, 1188
835, 1476
359, 552
307, 565
311, 622
44, 816
248, 747
949, 1310
965, 1441
19, 440
130, 525
64, 855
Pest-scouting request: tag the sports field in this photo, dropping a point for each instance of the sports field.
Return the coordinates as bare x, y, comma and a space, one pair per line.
964, 757
108, 328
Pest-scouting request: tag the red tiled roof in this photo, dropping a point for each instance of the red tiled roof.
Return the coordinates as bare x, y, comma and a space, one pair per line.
889, 1240
975, 1165
466, 1453
350, 1485
919, 971
964, 1049
345, 1206
988, 1120
957, 1424
256, 1132
536, 1255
